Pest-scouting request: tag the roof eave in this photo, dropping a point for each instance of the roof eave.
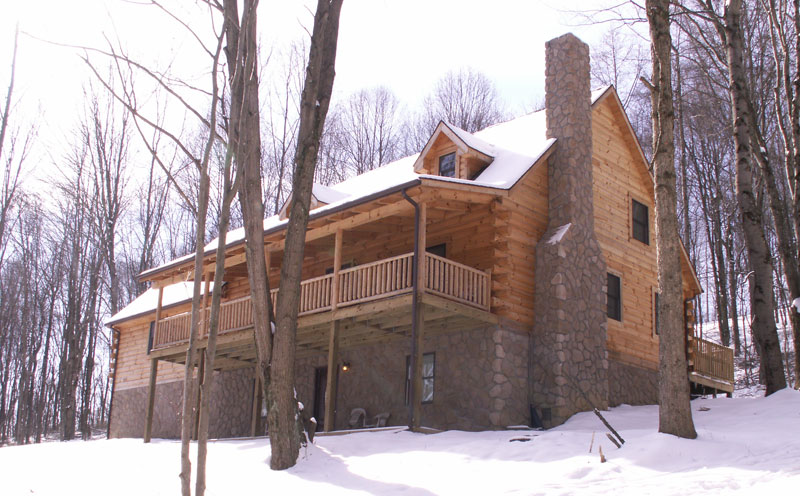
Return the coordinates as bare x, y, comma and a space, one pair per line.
148, 274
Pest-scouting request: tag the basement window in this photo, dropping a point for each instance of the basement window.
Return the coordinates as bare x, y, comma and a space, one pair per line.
447, 165
428, 368
641, 222
614, 297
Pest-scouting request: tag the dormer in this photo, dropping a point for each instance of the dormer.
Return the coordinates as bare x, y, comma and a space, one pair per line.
320, 196
453, 152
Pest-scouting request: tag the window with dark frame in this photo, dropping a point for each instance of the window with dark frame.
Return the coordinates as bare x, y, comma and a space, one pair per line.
151, 336
656, 316
428, 373
641, 222
613, 297
447, 165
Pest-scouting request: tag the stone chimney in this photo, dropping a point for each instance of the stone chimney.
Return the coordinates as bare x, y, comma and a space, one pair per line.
568, 343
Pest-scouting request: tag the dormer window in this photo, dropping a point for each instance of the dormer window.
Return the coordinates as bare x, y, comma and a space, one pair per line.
447, 165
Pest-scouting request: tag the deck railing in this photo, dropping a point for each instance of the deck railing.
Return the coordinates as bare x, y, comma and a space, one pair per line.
712, 360
363, 283
374, 280
459, 282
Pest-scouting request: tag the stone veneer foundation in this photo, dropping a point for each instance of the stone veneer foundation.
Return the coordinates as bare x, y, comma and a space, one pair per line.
631, 385
480, 380
568, 343
231, 407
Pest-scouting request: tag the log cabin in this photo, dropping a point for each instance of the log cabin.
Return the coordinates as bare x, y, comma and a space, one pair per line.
516, 265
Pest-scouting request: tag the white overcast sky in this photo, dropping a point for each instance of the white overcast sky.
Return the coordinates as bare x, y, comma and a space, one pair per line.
406, 45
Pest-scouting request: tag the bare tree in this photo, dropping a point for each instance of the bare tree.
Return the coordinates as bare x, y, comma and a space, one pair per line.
675, 413
282, 404
280, 119
761, 284
364, 131
465, 98
619, 60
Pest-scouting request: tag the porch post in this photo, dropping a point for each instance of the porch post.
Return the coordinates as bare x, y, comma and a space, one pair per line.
419, 322
255, 413
337, 265
151, 399
151, 387
422, 242
333, 370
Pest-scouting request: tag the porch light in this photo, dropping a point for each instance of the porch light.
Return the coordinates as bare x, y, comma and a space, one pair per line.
345, 366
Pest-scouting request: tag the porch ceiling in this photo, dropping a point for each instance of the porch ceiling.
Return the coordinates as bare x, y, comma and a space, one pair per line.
364, 324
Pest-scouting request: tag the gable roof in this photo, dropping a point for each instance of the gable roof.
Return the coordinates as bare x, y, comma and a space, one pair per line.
515, 146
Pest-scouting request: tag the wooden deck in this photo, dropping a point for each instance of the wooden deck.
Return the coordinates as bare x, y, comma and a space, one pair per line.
711, 364
371, 301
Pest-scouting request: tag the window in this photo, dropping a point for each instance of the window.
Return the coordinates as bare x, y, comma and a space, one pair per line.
428, 366
613, 297
641, 222
447, 165
151, 336
656, 316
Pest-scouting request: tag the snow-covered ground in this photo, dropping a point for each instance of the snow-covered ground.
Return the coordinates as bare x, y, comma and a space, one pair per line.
745, 446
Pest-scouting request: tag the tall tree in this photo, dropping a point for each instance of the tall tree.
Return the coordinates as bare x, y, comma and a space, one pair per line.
364, 130
317, 89
761, 284
466, 98
675, 413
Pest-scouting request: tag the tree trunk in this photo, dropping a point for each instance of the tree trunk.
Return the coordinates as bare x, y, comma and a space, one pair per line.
207, 384
762, 300
675, 413
245, 137
734, 292
282, 404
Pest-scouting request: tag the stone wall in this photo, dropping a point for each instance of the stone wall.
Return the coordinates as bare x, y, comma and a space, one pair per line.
631, 385
480, 380
568, 343
231, 404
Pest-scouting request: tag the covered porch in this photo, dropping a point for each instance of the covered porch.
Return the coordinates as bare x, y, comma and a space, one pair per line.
355, 301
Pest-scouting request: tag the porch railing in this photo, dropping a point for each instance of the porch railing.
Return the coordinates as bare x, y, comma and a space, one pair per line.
363, 283
459, 282
374, 280
712, 360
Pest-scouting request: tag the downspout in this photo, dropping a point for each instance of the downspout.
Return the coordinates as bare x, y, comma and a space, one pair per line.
414, 298
114, 333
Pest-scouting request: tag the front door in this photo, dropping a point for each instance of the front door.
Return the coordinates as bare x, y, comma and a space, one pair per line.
320, 386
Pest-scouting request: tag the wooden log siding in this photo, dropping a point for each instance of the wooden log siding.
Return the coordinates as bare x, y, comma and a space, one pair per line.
363, 283
457, 281
712, 360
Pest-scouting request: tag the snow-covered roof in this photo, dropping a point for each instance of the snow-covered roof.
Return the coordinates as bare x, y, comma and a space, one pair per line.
325, 194
148, 301
515, 146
